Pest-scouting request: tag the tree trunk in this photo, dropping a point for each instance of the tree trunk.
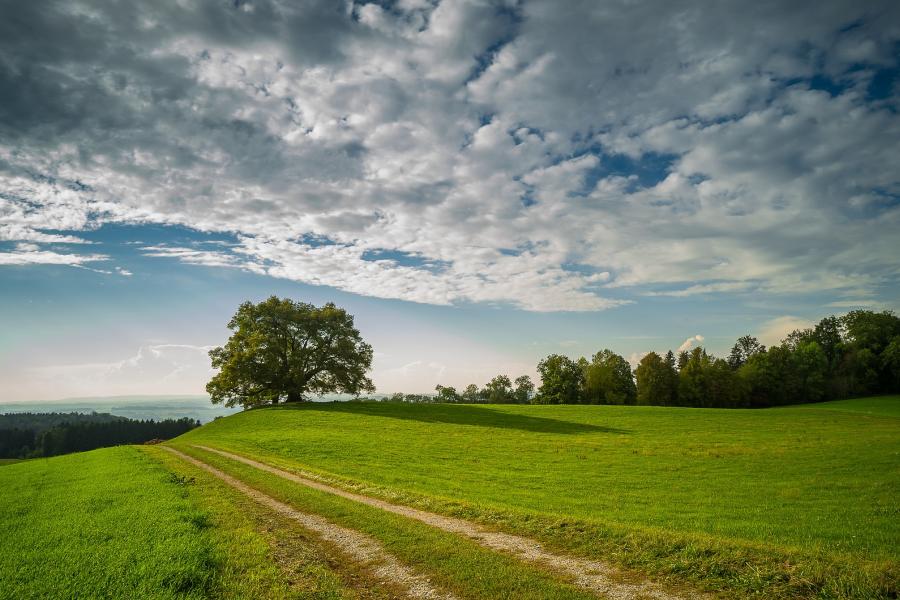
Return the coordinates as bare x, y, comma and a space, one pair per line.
294, 397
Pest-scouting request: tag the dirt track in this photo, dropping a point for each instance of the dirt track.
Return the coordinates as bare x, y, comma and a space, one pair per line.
355, 545
596, 576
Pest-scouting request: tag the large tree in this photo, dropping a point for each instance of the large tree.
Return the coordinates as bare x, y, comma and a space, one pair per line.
608, 380
657, 380
471, 394
742, 350
525, 389
499, 390
446, 394
561, 380
707, 381
281, 350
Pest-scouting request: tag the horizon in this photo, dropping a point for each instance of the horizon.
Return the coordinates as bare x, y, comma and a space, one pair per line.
479, 184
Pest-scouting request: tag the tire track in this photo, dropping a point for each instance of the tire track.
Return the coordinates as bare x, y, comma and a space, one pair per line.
596, 576
357, 546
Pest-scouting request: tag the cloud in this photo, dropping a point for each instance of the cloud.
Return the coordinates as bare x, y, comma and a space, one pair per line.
153, 369
705, 288
31, 256
772, 332
635, 359
497, 143
689, 343
193, 256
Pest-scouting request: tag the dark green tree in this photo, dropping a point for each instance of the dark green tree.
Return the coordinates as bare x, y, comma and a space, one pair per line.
692, 378
869, 335
828, 333
890, 362
471, 395
446, 394
281, 350
608, 380
869, 329
524, 389
656, 380
499, 390
561, 380
743, 349
707, 381
810, 368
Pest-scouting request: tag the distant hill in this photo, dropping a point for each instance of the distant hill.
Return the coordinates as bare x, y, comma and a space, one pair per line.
144, 407
133, 407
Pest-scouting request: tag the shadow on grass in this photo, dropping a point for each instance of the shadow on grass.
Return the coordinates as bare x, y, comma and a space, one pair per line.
458, 414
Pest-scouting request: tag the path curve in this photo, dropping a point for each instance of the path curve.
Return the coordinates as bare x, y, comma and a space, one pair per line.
597, 576
357, 546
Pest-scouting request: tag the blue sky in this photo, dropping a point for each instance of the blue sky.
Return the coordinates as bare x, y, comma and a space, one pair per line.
480, 183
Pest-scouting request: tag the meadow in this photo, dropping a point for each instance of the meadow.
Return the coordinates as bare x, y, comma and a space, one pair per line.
124, 523
794, 500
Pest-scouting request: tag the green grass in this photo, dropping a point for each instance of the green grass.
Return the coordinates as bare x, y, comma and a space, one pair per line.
9, 461
885, 406
451, 562
116, 523
260, 555
799, 500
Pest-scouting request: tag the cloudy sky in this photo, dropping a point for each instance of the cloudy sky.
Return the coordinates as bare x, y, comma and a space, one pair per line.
480, 183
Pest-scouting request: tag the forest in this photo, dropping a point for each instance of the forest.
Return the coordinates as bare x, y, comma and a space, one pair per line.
856, 354
34, 435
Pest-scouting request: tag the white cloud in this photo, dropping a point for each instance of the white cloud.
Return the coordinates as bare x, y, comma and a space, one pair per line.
193, 256
772, 332
475, 141
690, 342
706, 288
154, 369
46, 257
635, 359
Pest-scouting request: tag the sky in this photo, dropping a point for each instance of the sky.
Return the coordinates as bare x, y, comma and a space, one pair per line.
480, 183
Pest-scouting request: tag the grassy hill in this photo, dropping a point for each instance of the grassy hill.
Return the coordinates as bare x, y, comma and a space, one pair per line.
695, 492
801, 477
132, 522
788, 502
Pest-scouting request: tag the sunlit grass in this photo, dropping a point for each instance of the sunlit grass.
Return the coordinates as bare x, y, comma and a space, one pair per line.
693, 493
450, 561
116, 523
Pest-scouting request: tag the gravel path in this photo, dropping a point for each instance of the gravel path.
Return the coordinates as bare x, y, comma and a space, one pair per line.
596, 576
355, 545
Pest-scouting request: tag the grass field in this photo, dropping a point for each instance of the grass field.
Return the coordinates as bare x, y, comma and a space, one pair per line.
116, 523
454, 563
799, 500
789, 502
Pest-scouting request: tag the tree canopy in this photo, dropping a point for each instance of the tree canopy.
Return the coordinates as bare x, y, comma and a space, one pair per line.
608, 380
852, 355
561, 380
284, 351
656, 379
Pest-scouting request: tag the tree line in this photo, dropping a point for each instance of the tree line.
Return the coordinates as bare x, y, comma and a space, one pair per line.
852, 355
33, 435
499, 390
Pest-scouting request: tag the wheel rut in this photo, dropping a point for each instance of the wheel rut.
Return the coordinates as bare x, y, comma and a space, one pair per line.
353, 544
596, 576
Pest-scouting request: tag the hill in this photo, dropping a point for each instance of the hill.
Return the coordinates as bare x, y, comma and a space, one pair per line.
382, 500
715, 494
132, 407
